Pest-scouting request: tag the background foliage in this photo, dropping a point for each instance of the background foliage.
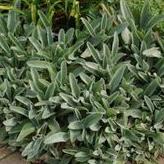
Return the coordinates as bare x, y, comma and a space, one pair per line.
69, 11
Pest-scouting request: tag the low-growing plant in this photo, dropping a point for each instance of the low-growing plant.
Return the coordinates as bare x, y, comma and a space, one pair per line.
84, 96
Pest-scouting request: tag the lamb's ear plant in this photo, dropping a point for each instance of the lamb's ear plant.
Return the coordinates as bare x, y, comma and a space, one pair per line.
89, 96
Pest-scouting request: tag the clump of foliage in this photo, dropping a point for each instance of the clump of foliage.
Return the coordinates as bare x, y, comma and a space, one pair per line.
157, 7
93, 96
66, 13
62, 10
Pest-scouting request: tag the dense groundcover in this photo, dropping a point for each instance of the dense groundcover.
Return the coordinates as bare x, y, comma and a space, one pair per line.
91, 95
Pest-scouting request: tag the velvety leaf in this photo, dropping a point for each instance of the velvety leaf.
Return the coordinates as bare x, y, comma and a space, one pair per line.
74, 86
19, 110
61, 36
82, 156
115, 44
56, 138
92, 66
154, 21
159, 116
23, 100
63, 72
27, 129
49, 36
12, 21
159, 137
69, 35
42, 36
50, 91
35, 43
126, 13
67, 98
10, 122
46, 113
135, 113
38, 64
43, 19
86, 54
145, 14
91, 119
117, 77
149, 103
88, 27
15, 41
84, 77
4, 45
76, 125
104, 22
152, 52
126, 36
151, 88
95, 54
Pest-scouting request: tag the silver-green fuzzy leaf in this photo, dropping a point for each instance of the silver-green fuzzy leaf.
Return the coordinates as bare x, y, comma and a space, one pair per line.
117, 77
19, 110
115, 44
27, 129
56, 138
91, 119
149, 103
88, 27
95, 54
74, 86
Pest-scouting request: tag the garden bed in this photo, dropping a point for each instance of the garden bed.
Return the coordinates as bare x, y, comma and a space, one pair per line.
82, 87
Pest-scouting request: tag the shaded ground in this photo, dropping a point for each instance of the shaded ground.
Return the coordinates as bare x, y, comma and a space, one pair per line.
10, 157
161, 161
